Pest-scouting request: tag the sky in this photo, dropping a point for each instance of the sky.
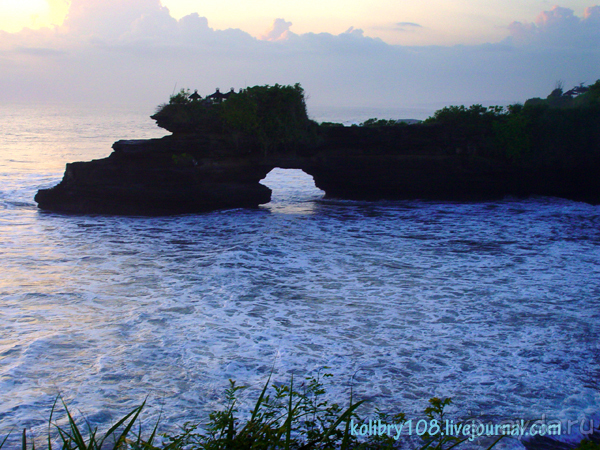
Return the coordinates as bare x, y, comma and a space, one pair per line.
352, 53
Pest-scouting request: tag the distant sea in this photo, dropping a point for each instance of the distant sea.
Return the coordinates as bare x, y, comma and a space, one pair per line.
356, 115
495, 304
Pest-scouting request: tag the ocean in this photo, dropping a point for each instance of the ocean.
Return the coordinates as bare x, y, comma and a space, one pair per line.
495, 304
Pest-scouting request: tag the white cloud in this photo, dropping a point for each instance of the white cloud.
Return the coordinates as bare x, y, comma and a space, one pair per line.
107, 19
154, 25
592, 15
193, 25
279, 31
560, 27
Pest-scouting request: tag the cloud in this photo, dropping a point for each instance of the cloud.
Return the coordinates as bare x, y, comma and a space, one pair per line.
107, 19
134, 51
193, 25
279, 31
354, 32
592, 15
39, 51
407, 26
557, 17
560, 27
157, 24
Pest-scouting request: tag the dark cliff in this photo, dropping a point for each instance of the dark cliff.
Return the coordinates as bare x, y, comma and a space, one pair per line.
192, 172
160, 176
446, 162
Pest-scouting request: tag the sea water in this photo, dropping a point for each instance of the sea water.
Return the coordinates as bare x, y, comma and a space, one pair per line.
495, 304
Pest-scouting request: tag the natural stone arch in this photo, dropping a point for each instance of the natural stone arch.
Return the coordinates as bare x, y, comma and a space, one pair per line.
291, 183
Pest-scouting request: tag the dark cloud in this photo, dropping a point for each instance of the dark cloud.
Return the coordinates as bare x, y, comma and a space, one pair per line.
404, 26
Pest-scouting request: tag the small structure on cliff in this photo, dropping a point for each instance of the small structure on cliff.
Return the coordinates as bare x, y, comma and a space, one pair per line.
267, 117
195, 96
218, 96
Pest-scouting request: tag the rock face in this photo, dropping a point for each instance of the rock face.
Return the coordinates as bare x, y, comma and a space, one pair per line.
435, 162
192, 173
156, 177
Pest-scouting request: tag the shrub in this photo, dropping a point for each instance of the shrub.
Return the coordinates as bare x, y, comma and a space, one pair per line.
285, 417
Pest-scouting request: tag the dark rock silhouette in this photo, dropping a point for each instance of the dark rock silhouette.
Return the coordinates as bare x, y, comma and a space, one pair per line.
192, 173
158, 176
220, 150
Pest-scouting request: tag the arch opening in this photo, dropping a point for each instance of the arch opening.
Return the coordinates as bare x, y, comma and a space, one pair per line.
293, 191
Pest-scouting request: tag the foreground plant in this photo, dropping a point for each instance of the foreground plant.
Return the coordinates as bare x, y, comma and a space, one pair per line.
72, 437
288, 418
284, 417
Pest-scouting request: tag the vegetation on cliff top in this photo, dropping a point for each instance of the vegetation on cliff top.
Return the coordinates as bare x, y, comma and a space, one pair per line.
563, 125
272, 116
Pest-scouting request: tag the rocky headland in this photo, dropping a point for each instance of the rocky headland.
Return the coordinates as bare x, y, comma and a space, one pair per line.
222, 148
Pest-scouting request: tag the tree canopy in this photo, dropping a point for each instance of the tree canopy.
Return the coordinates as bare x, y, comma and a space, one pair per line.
272, 115
540, 129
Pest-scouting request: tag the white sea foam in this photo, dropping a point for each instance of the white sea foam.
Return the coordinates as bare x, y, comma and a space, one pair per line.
495, 304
